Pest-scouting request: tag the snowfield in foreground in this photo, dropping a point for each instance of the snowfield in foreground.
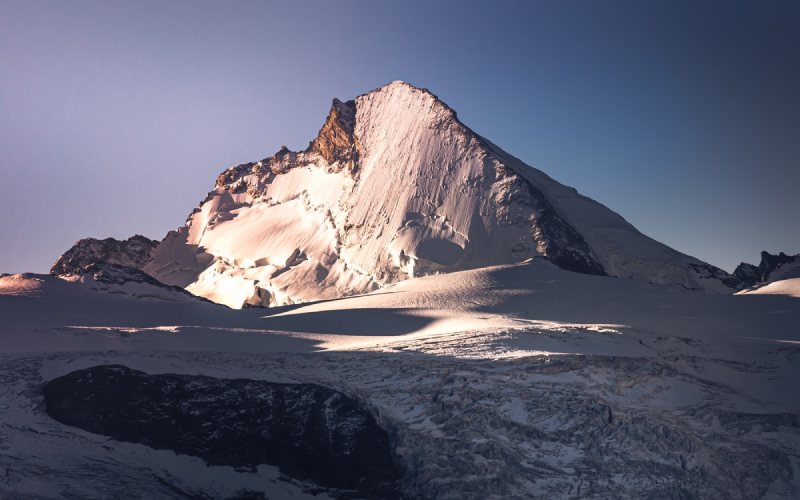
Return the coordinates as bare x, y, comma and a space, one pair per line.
512, 381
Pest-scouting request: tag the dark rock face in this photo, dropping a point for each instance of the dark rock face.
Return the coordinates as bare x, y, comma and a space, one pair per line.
522, 204
560, 242
310, 432
133, 252
748, 274
752, 275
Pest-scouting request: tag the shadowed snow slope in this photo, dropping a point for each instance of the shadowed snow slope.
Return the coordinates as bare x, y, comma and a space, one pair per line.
395, 186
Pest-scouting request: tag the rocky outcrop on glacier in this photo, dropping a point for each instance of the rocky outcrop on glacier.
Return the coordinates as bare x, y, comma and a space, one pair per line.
90, 252
115, 266
310, 432
395, 186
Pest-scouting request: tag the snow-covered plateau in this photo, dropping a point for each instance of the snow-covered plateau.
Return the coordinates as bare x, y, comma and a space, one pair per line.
443, 322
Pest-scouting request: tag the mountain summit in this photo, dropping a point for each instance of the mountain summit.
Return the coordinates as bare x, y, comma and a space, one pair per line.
393, 187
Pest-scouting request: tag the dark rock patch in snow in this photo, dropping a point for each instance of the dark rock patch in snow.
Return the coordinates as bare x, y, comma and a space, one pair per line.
310, 432
133, 252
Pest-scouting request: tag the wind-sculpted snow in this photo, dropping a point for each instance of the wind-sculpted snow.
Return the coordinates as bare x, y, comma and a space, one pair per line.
393, 187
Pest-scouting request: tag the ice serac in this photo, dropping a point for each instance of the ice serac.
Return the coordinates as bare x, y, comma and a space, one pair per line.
393, 187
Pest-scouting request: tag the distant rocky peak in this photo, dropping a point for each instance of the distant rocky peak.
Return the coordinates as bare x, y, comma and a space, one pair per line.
87, 253
770, 261
751, 275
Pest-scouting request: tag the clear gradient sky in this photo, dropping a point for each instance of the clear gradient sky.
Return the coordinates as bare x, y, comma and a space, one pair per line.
684, 117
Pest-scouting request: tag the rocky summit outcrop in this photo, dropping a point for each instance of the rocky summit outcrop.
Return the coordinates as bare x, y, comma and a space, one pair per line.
336, 142
771, 268
310, 432
89, 253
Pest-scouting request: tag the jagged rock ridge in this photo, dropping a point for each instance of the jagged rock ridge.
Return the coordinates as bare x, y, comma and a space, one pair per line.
89, 252
770, 268
395, 186
115, 266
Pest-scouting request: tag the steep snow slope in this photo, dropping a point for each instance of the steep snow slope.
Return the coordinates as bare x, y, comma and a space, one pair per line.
510, 381
394, 187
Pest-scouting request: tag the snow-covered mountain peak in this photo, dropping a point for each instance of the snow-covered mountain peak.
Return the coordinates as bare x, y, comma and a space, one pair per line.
398, 86
399, 92
392, 187
401, 103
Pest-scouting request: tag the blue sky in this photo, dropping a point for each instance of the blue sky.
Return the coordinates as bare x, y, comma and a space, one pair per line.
684, 117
